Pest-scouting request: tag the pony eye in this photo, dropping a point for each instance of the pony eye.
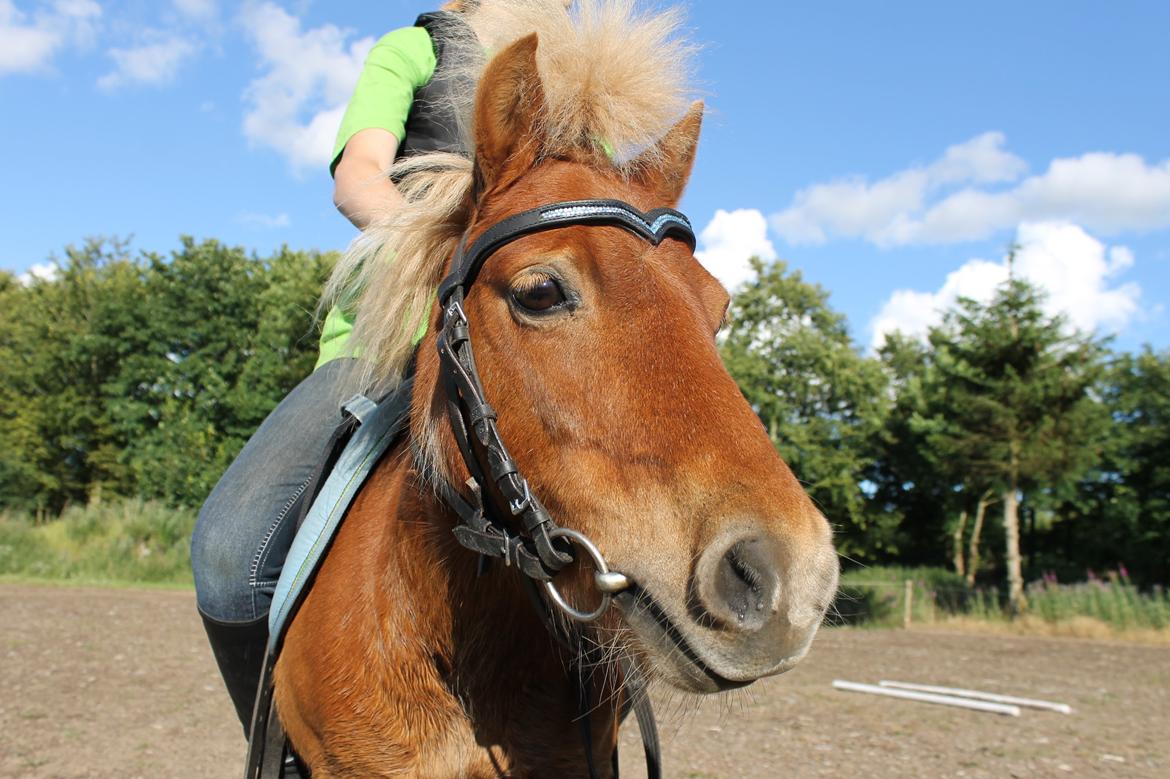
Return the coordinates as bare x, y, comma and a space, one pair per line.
541, 295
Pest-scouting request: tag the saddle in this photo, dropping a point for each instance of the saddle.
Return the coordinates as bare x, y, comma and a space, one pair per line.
367, 430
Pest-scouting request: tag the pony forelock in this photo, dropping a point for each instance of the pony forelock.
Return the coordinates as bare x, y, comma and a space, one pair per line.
614, 75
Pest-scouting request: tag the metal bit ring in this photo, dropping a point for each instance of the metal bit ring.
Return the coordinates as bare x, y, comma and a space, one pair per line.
609, 582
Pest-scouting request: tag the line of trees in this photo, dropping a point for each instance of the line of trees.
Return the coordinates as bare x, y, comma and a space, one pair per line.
1004, 446
143, 375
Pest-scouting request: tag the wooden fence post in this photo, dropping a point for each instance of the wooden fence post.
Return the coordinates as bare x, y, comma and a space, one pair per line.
908, 604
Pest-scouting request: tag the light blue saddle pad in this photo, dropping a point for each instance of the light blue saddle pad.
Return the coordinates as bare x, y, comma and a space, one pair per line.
380, 424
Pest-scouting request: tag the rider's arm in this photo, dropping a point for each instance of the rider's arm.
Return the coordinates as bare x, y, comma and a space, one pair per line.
360, 187
375, 123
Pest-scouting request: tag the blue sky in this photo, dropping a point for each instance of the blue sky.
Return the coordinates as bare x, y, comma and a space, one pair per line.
891, 152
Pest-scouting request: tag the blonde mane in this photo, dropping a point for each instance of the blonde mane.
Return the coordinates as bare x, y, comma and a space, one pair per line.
614, 76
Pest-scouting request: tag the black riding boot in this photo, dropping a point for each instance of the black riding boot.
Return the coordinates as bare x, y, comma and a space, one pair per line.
239, 652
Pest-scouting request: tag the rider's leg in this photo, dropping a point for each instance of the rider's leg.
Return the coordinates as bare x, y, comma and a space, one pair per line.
247, 525
239, 648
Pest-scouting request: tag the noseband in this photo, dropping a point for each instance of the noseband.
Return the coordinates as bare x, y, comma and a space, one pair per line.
484, 521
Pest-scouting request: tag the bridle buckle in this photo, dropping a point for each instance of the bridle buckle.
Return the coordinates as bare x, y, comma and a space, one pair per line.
521, 504
455, 309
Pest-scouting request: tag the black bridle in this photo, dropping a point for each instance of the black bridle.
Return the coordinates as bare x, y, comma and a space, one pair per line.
483, 528
485, 522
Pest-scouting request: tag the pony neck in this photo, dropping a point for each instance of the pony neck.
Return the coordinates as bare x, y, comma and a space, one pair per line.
480, 639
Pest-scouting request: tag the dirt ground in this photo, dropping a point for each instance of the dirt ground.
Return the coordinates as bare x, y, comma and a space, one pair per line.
120, 683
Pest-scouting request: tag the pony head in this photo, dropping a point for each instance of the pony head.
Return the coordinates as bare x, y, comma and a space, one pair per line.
598, 352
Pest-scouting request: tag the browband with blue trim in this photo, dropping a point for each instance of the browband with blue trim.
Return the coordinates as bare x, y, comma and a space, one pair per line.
655, 226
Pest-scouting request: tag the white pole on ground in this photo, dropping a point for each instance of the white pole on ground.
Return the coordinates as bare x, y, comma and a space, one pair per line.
925, 697
978, 695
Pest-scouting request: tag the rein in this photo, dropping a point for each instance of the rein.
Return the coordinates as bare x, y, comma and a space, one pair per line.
542, 548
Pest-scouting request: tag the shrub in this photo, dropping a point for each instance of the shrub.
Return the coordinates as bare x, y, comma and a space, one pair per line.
123, 541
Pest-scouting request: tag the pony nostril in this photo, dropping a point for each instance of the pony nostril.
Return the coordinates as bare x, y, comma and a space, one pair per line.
742, 588
739, 582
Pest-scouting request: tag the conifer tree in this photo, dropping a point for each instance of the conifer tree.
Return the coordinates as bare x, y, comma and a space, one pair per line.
1015, 409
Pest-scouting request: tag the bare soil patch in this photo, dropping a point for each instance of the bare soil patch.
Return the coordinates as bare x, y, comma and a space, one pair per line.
120, 683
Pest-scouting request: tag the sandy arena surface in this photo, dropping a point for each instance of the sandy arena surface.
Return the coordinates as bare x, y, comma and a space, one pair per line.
120, 683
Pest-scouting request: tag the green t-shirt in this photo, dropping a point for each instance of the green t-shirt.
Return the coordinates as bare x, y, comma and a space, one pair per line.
400, 63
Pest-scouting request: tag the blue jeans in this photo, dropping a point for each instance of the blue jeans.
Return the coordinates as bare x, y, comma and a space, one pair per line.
248, 522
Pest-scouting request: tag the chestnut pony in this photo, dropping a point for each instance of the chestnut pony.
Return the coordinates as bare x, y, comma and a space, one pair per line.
597, 350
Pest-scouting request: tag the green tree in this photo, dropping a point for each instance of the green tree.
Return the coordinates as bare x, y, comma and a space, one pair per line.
22, 447
1120, 514
820, 400
1015, 410
233, 334
911, 480
179, 392
144, 376
62, 347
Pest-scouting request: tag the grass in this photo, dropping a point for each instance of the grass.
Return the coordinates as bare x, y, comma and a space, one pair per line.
1029, 625
876, 596
129, 541
1113, 601
1097, 608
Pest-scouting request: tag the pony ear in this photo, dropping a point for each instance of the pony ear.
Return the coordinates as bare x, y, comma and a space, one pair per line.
508, 110
666, 168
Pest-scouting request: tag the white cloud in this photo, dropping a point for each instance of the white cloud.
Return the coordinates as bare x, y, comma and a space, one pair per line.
197, 9
28, 43
296, 106
730, 240
981, 159
952, 200
43, 271
1073, 269
153, 63
157, 53
267, 221
913, 312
